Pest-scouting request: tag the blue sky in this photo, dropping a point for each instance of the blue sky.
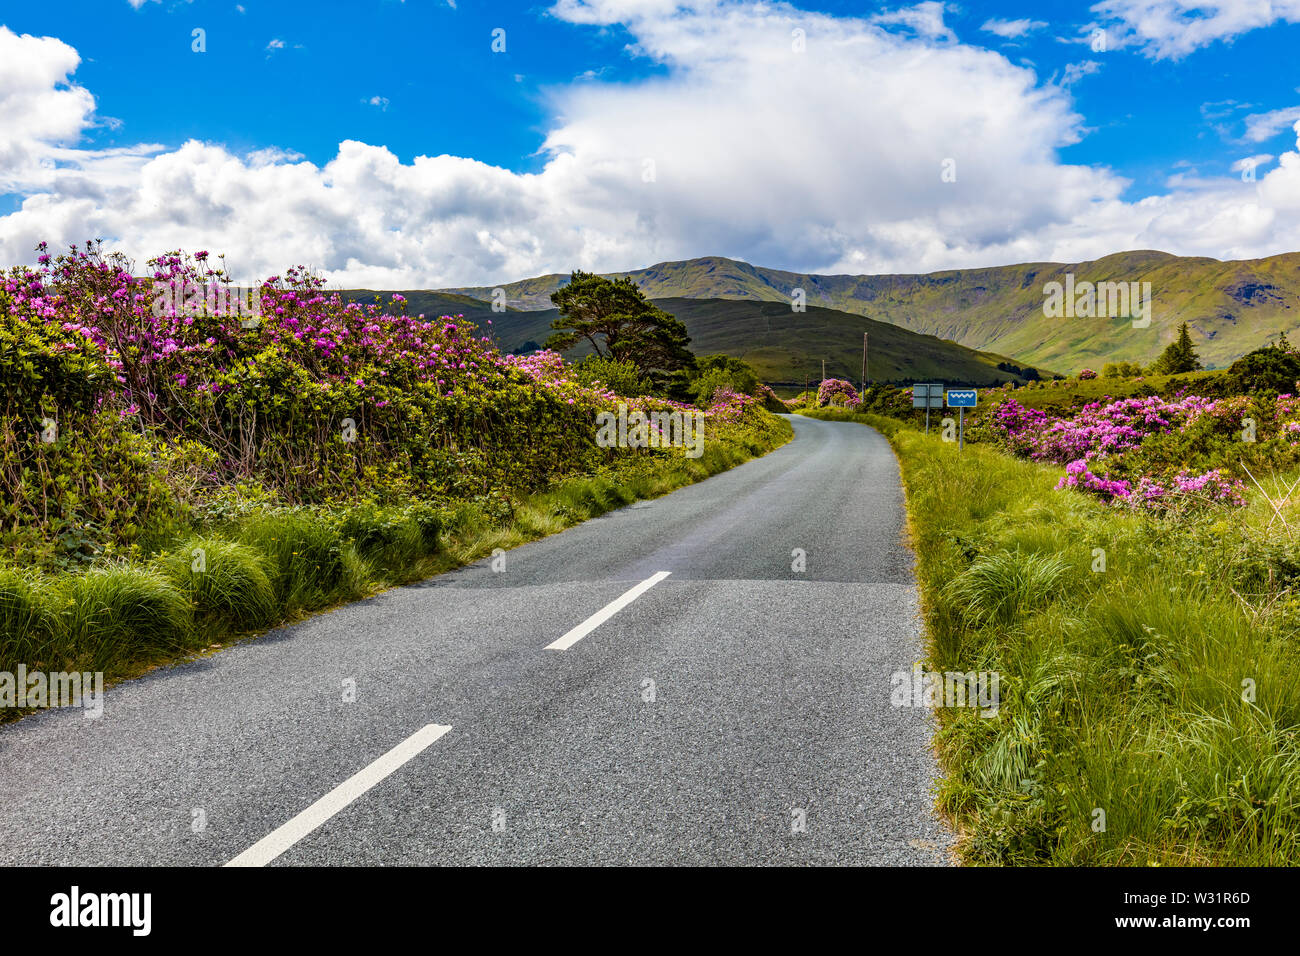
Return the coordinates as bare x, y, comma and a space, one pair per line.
540, 170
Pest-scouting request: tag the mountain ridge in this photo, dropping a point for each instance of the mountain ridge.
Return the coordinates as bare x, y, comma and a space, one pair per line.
1231, 306
785, 348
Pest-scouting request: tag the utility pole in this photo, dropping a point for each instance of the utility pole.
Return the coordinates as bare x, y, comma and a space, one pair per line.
823, 370
864, 366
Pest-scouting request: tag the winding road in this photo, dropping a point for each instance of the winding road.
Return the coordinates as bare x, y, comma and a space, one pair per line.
654, 686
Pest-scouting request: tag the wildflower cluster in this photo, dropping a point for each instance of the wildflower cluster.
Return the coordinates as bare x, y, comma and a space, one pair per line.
1128, 452
836, 391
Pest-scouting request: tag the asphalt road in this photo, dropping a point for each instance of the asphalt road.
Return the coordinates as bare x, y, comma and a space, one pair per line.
735, 711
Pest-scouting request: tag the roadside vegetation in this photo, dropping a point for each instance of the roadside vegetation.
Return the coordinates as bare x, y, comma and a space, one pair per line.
176, 476
1147, 655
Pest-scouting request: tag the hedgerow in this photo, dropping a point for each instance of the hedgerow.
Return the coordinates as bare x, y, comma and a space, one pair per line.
311, 452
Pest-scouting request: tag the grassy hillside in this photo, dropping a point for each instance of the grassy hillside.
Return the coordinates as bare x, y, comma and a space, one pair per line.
430, 304
783, 346
712, 277
1231, 307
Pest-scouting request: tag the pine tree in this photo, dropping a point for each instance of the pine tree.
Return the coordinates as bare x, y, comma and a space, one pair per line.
620, 323
1180, 356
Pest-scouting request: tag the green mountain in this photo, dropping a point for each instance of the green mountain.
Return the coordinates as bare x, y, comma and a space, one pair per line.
784, 347
430, 303
1231, 307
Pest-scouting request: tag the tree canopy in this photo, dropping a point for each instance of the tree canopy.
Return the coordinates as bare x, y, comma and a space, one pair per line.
1273, 368
1180, 356
620, 323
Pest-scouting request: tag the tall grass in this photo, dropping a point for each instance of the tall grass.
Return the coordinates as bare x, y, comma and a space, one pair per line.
1148, 666
1000, 587
391, 540
304, 558
26, 620
225, 580
112, 617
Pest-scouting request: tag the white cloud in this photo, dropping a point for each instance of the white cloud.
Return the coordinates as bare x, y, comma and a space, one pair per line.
925, 18
1262, 126
1074, 72
1013, 29
1171, 29
275, 45
39, 107
825, 160
379, 101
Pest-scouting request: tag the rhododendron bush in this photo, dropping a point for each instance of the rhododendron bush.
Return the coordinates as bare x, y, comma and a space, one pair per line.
1155, 453
836, 391
122, 407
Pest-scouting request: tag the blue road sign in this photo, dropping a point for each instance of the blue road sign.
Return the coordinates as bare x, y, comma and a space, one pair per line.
962, 398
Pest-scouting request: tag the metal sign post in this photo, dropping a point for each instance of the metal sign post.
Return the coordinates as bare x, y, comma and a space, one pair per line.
962, 398
927, 396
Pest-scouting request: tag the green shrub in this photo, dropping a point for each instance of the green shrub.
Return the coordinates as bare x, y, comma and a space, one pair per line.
1121, 370
722, 371
73, 476
620, 377
1273, 368
225, 580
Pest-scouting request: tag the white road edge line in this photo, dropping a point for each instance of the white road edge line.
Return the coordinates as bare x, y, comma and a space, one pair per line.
605, 613
273, 844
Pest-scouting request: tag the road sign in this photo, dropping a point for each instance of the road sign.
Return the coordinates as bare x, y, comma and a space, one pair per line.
927, 396
962, 399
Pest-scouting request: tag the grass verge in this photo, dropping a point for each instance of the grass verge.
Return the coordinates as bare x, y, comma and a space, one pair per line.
1149, 710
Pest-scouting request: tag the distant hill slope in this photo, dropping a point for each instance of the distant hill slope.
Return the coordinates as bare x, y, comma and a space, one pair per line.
429, 303
785, 347
1231, 307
